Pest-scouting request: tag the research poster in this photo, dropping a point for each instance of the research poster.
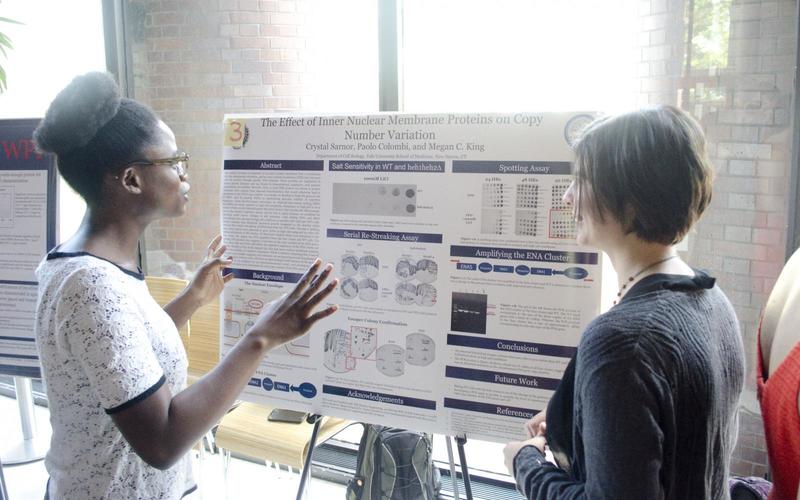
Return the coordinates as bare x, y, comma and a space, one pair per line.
28, 226
462, 290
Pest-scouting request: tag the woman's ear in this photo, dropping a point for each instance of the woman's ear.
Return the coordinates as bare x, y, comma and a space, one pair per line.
630, 224
131, 180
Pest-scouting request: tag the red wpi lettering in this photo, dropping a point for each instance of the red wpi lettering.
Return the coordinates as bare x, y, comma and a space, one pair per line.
25, 147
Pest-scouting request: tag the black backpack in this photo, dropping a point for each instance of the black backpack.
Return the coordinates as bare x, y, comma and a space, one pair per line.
394, 464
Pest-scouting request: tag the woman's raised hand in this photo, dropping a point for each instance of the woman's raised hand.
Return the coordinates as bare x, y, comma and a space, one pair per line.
293, 314
209, 280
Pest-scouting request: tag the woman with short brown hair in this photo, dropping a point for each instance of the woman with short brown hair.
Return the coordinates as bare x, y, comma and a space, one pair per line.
647, 408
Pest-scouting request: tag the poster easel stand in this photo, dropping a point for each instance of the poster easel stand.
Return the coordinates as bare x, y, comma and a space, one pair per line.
304, 474
453, 477
462, 457
32, 447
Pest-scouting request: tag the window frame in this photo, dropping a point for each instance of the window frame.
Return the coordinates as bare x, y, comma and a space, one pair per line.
390, 81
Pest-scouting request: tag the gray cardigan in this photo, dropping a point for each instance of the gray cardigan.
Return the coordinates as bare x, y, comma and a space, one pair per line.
653, 410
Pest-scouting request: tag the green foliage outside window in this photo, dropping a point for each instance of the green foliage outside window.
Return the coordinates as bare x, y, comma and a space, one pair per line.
709, 21
5, 46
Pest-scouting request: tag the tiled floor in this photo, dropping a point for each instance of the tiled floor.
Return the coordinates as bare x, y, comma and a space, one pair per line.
246, 480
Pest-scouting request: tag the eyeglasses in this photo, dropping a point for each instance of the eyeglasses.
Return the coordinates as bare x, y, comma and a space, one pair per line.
179, 163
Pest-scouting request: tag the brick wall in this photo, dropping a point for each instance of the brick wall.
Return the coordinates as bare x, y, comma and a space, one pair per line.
661, 48
744, 236
745, 109
194, 61
757, 155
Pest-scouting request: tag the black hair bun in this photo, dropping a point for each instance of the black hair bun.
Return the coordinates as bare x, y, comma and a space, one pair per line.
76, 114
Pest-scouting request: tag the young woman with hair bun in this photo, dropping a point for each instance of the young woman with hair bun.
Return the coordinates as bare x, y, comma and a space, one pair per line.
123, 417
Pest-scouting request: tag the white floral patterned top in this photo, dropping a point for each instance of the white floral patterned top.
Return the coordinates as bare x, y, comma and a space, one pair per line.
105, 344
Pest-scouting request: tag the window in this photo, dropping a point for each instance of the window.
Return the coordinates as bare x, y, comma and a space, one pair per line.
343, 63
519, 56
57, 41
194, 65
730, 64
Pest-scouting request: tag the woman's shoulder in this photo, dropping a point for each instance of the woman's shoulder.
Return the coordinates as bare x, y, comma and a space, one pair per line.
633, 332
619, 346
620, 324
656, 330
613, 336
667, 303
75, 265
778, 333
65, 272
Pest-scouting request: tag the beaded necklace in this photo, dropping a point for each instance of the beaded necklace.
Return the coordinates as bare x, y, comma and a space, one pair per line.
631, 278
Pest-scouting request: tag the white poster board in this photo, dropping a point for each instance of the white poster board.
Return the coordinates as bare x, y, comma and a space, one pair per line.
463, 292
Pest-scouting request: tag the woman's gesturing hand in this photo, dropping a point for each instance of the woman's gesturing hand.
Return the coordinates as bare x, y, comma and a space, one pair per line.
293, 314
209, 281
